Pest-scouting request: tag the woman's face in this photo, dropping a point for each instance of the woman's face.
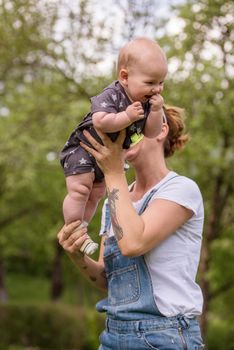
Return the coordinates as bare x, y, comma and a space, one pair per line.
132, 152
140, 150
147, 148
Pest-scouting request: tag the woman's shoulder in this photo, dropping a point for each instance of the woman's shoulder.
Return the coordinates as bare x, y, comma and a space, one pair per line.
175, 180
186, 182
181, 189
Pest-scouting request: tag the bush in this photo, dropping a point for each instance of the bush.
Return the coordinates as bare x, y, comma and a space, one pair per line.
47, 326
220, 333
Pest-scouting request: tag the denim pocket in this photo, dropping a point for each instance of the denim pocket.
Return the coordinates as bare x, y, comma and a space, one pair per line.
150, 341
123, 285
163, 339
195, 339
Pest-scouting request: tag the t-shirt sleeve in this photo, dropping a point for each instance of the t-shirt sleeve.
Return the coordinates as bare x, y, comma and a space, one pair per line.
107, 101
182, 191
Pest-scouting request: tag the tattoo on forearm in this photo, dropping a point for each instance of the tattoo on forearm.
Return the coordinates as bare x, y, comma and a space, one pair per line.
103, 274
112, 198
93, 278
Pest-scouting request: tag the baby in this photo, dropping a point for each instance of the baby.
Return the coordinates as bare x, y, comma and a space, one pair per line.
133, 102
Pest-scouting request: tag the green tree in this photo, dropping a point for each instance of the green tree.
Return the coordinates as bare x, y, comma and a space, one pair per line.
49, 66
42, 99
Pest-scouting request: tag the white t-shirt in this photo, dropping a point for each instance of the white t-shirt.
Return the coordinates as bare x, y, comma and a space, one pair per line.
174, 262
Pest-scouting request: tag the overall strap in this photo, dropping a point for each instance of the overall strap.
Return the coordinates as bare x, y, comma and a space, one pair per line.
146, 201
150, 195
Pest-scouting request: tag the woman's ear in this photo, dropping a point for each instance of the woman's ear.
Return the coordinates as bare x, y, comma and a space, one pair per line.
123, 76
164, 132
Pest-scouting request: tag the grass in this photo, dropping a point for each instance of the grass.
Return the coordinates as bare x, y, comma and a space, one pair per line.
26, 289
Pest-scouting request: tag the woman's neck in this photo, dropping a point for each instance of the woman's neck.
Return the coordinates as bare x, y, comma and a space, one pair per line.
148, 176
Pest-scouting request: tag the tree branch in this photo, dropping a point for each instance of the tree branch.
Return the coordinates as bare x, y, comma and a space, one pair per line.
17, 215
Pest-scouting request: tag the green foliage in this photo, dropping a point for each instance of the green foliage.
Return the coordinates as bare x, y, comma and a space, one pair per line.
45, 82
46, 326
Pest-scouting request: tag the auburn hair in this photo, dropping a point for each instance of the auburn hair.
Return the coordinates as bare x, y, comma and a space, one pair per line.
177, 137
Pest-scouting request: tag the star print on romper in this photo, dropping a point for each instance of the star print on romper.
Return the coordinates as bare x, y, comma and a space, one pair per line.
103, 104
83, 161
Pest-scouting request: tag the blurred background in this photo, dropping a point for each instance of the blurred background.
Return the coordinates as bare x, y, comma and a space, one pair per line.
54, 55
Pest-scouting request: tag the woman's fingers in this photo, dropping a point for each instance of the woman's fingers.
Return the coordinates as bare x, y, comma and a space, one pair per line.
105, 139
76, 240
108, 155
90, 150
67, 230
121, 137
98, 150
92, 140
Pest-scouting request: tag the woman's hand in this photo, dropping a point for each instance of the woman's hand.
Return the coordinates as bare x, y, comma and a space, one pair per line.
109, 156
72, 236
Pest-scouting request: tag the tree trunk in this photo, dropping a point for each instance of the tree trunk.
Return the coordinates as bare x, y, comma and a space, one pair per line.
205, 286
221, 193
57, 276
3, 291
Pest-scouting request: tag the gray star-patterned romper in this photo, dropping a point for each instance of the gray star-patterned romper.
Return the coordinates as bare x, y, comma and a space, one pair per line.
74, 159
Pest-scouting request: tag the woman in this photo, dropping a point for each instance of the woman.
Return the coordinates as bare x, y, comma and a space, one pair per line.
150, 253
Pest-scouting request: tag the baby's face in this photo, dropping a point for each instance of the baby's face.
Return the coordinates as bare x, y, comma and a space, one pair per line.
146, 78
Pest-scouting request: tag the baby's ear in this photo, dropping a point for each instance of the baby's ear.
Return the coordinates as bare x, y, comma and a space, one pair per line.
123, 76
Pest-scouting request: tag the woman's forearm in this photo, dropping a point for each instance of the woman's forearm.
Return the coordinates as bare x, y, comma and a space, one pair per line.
94, 271
127, 225
71, 237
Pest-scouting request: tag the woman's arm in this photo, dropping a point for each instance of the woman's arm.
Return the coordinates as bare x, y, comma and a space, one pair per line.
136, 234
71, 237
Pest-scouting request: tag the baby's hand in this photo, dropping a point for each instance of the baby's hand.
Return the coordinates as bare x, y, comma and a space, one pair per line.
156, 102
135, 111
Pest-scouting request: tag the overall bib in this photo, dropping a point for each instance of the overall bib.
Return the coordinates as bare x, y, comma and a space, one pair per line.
134, 321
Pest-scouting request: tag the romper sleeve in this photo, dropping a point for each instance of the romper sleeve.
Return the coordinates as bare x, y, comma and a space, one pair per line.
107, 101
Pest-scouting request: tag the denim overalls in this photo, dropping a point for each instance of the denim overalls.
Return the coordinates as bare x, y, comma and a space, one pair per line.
134, 321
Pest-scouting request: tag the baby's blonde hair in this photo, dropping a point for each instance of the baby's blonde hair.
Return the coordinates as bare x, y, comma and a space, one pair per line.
132, 51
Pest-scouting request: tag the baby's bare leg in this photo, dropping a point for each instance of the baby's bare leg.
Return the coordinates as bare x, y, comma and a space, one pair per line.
97, 192
81, 203
79, 188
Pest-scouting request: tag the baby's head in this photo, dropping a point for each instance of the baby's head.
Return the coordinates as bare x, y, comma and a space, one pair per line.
142, 68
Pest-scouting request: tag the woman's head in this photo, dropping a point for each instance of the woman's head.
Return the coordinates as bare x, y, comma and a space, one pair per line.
176, 137
171, 139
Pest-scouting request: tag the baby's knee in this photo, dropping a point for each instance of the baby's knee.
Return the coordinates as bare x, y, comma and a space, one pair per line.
78, 189
98, 192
